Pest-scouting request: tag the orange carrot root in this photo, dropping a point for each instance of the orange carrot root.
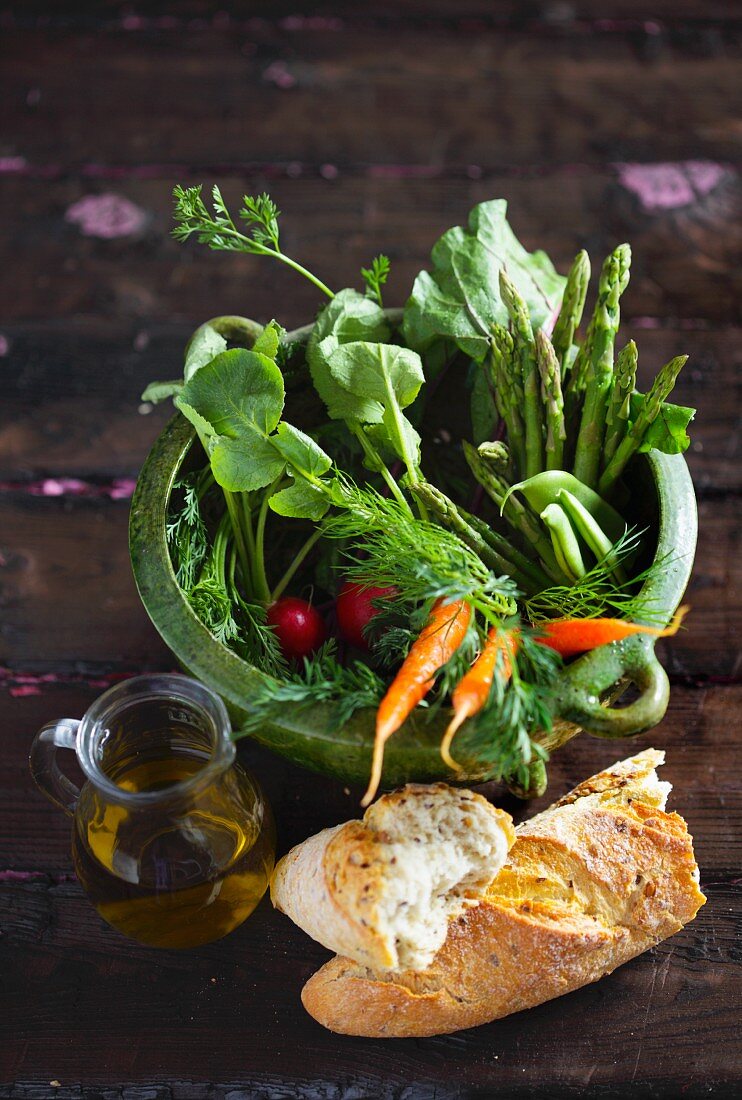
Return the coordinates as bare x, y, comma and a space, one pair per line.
472, 691
572, 636
441, 636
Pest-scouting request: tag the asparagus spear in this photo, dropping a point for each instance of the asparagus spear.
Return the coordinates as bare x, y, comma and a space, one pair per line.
499, 543
497, 455
508, 387
449, 516
551, 395
517, 515
573, 303
660, 391
526, 353
600, 340
619, 406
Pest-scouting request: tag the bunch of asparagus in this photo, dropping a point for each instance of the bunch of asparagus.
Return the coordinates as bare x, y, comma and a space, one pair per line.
562, 405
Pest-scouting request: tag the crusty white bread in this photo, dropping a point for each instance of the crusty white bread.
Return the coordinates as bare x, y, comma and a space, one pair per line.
384, 889
596, 879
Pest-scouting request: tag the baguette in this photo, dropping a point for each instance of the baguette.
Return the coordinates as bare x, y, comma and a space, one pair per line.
384, 889
599, 877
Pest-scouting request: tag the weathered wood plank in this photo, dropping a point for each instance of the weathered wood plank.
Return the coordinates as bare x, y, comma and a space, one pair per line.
508, 97
72, 391
222, 1014
685, 252
295, 16
233, 1003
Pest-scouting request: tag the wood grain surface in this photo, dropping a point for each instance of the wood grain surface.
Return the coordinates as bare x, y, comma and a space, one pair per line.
375, 127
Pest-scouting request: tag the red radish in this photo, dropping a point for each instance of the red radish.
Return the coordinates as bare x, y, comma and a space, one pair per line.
355, 610
299, 627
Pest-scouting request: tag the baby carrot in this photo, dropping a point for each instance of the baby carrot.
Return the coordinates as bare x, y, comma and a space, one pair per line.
472, 691
438, 641
572, 636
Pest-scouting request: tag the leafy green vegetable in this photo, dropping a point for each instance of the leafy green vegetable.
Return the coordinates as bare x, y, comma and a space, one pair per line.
205, 345
238, 398
668, 431
484, 414
349, 317
300, 501
460, 299
391, 377
160, 391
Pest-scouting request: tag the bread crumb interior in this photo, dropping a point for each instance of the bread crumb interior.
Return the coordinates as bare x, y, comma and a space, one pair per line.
443, 852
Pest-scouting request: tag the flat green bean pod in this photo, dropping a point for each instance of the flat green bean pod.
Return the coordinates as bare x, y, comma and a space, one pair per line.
543, 489
590, 531
564, 541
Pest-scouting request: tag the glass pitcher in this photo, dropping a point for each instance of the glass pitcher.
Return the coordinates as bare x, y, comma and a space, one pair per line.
172, 841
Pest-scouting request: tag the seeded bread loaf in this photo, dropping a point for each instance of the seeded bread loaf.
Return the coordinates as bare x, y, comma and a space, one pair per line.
599, 877
383, 890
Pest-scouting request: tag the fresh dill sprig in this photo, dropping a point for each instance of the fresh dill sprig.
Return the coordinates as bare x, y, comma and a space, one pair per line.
322, 679
216, 600
390, 548
376, 276
597, 592
187, 535
218, 230
393, 641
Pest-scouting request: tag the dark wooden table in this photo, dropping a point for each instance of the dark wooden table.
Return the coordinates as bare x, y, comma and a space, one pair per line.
375, 126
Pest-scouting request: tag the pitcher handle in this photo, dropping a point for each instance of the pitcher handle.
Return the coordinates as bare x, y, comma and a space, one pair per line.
44, 767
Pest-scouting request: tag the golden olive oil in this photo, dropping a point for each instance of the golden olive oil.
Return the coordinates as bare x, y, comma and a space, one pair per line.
185, 872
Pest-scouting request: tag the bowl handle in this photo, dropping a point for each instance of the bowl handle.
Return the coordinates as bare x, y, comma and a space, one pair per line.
592, 676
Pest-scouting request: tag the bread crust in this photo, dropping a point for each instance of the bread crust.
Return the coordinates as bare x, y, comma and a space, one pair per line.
590, 883
332, 883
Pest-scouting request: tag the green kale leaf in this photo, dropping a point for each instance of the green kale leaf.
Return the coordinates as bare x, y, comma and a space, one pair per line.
460, 298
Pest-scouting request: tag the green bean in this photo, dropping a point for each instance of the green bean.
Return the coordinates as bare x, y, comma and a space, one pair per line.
564, 541
590, 531
543, 489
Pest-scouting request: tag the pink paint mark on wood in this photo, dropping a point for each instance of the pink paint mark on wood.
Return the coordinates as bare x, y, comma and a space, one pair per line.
22, 691
121, 488
278, 73
670, 185
13, 165
20, 684
107, 216
311, 23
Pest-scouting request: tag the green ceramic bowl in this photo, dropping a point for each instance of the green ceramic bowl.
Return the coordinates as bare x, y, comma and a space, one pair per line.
661, 494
